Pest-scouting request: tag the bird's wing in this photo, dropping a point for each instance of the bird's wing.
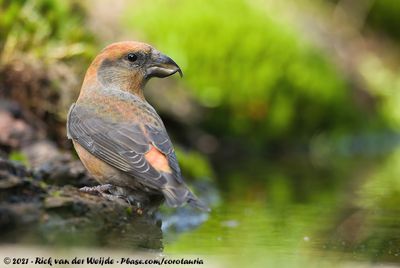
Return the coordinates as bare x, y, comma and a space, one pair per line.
127, 147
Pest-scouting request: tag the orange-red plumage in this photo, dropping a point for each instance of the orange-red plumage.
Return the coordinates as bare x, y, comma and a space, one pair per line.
157, 160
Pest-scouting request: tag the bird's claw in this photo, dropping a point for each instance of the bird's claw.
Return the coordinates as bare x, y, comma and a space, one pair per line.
104, 190
99, 189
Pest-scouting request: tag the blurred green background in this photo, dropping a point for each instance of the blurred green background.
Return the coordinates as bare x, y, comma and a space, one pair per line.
292, 109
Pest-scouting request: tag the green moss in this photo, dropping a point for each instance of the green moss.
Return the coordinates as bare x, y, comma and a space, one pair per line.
46, 29
129, 211
19, 157
44, 186
54, 193
251, 70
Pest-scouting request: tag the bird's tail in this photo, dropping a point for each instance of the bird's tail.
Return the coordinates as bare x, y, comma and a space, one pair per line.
178, 194
197, 203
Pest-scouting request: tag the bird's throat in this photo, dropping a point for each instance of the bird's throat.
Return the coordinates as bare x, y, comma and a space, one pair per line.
116, 79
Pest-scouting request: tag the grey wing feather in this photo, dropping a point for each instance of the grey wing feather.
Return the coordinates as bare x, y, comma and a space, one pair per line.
123, 145
162, 142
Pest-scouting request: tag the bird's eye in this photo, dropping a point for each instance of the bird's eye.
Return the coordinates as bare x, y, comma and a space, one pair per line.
132, 57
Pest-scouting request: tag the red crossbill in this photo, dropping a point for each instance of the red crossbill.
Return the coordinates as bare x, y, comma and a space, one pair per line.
119, 136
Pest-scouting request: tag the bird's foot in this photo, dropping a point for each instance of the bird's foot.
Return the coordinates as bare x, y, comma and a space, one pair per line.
109, 192
99, 189
104, 190
114, 198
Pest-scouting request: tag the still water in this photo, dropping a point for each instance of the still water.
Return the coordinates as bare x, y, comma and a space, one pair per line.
339, 211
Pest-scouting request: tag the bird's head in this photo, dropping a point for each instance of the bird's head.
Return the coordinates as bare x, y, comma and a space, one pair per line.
129, 65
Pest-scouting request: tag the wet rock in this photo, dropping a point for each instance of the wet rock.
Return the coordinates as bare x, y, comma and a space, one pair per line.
13, 168
52, 166
63, 171
7, 219
34, 210
14, 131
3, 154
9, 181
16, 185
41, 152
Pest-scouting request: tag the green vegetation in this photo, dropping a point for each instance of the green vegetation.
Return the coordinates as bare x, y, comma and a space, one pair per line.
19, 157
46, 29
194, 164
258, 76
384, 17
45, 48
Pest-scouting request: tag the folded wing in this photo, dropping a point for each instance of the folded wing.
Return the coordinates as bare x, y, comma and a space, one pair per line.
124, 146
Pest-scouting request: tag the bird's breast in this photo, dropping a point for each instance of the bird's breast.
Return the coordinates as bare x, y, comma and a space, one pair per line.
100, 170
